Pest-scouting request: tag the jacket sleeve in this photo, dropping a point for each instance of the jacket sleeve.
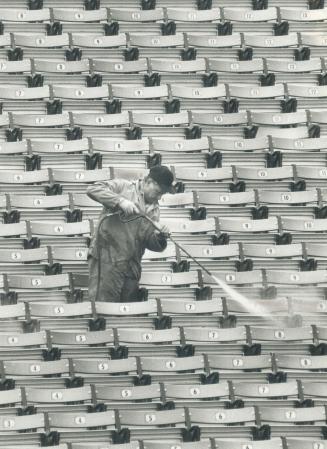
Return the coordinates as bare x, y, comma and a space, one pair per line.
107, 193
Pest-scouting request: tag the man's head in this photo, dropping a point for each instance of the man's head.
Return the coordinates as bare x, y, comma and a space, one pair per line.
158, 182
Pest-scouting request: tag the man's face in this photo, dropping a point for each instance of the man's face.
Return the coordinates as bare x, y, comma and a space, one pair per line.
152, 191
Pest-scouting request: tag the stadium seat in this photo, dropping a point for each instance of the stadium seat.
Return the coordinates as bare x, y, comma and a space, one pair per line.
64, 146
81, 419
303, 15
21, 423
263, 391
98, 41
128, 393
24, 15
37, 120
248, 15
267, 41
79, 15
120, 66
201, 40
156, 41
222, 416
37, 40
136, 15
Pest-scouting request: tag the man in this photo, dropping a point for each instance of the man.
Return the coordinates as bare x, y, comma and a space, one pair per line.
120, 241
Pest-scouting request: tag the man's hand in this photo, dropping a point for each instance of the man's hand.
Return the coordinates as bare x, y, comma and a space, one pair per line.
163, 229
128, 207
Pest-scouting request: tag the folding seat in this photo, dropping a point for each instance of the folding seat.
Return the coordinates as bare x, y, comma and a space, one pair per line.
79, 15
177, 199
239, 144
78, 176
39, 201
35, 367
63, 66
58, 395
222, 416
215, 335
179, 145
225, 198
98, 40
169, 279
301, 362
128, 173
203, 174
281, 334
190, 226
272, 251
15, 66
250, 15
230, 65
239, 362
96, 119
80, 419
134, 418
304, 224
126, 309
193, 15
155, 119
79, 92
310, 172
238, 443
265, 174
148, 336
70, 338
321, 333
128, 392
303, 15
11, 397
11, 229
104, 366
37, 40
318, 116
171, 364
307, 443
39, 309
120, 66
296, 277
271, 118
316, 390
183, 307
24, 177
307, 90
120, 145
261, 391
24, 15
178, 66
21, 340
287, 415
38, 281
285, 143
311, 307
254, 91
169, 444
277, 306
316, 249
168, 253
10, 92
63, 146
136, 15
62, 254
196, 391
13, 147
211, 118
203, 40
298, 132
92, 445
269, 41
134, 91
37, 120
156, 41
82, 200
314, 39
55, 228
5, 40
12, 310
209, 252
4, 120
291, 66
271, 197
14, 423
234, 278
239, 224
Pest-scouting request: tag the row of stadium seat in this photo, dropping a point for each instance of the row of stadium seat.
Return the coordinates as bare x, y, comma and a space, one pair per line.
232, 172
295, 142
159, 14
80, 92
95, 40
185, 118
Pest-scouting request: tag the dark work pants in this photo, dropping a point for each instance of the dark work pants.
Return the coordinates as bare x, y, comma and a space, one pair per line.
116, 282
